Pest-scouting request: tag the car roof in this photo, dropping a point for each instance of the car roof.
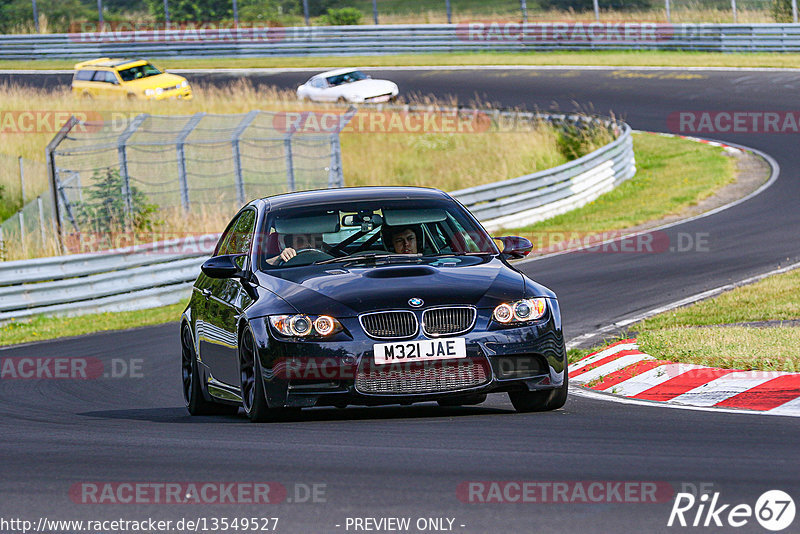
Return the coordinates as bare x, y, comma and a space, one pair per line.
351, 194
109, 62
335, 72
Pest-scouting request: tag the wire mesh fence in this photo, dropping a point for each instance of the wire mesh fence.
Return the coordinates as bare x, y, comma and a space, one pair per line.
29, 231
113, 176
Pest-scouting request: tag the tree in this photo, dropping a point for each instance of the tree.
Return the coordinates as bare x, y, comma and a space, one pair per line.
105, 210
192, 10
18, 14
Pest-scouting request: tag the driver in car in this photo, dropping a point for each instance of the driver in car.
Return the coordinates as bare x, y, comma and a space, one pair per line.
402, 239
295, 243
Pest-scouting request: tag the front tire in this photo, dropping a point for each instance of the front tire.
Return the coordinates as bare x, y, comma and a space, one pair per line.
540, 401
254, 398
193, 397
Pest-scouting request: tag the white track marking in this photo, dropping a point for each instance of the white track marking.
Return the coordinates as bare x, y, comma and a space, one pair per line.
602, 354
648, 379
610, 367
721, 388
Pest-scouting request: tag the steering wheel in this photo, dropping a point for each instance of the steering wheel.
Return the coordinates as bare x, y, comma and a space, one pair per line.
305, 251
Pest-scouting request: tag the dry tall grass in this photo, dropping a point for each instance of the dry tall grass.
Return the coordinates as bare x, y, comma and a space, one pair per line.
447, 161
687, 14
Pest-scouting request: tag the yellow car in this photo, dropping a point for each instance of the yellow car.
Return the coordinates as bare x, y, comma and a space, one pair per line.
131, 78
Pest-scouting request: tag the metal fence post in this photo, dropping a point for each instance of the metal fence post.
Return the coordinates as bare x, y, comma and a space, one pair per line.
596, 5
51, 171
41, 219
122, 153
287, 150
237, 156
22, 233
449, 11
524, 7
375, 10
666, 7
794, 11
733, 8
35, 16
181, 140
335, 176
2, 245
335, 171
22, 180
305, 12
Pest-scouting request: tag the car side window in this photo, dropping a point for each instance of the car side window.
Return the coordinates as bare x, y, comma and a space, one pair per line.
111, 77
84, 75
239, 235
99, 76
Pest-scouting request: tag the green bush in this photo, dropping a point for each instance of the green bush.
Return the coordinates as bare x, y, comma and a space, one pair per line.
346, 16
781, 10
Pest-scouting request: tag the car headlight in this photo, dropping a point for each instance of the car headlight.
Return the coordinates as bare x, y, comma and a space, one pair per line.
520, 311
149, 92
184, 83
305, 325
159, 90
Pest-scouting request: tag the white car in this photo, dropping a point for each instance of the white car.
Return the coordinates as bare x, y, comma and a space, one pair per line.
346, 85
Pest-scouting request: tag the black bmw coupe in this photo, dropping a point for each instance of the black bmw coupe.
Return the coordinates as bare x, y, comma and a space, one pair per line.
367, 296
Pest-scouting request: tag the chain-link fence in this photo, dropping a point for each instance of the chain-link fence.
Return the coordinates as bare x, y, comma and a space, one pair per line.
124, 174
30, 230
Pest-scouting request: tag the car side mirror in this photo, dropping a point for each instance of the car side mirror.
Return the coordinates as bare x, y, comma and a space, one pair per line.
225, 266
515, 247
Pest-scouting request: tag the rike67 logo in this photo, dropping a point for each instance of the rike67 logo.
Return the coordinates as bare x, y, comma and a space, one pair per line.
774, 510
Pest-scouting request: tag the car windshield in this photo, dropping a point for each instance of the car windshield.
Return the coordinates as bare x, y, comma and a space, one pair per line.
347, 77
141, 71
370, 233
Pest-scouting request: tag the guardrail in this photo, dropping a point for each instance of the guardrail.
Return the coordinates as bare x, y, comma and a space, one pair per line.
405, 38
157, 274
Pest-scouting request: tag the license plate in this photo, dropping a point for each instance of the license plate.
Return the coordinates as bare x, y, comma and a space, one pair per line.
418, 351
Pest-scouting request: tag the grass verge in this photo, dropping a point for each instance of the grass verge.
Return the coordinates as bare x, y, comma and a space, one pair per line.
672, 174
40, 328
642, 58
693, 334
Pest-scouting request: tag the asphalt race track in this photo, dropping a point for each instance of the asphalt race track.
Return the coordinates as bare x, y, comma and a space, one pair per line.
414, 462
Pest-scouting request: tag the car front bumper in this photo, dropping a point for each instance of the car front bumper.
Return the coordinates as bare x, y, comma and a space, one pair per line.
342, 372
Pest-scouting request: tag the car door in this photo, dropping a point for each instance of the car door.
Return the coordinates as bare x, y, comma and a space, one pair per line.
100, 85
225, 299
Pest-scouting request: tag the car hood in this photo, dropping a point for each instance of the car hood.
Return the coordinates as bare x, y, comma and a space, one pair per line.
369, 87
350, 290
164, 80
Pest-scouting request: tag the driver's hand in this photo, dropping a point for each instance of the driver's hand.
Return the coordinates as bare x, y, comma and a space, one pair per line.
288, 253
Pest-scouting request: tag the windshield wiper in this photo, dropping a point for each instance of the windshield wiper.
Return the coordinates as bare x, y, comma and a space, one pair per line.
370, 257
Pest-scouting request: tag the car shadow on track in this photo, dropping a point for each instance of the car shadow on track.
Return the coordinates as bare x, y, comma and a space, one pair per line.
355, 413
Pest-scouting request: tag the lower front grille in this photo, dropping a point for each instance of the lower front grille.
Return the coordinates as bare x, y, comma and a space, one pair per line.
422, 377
